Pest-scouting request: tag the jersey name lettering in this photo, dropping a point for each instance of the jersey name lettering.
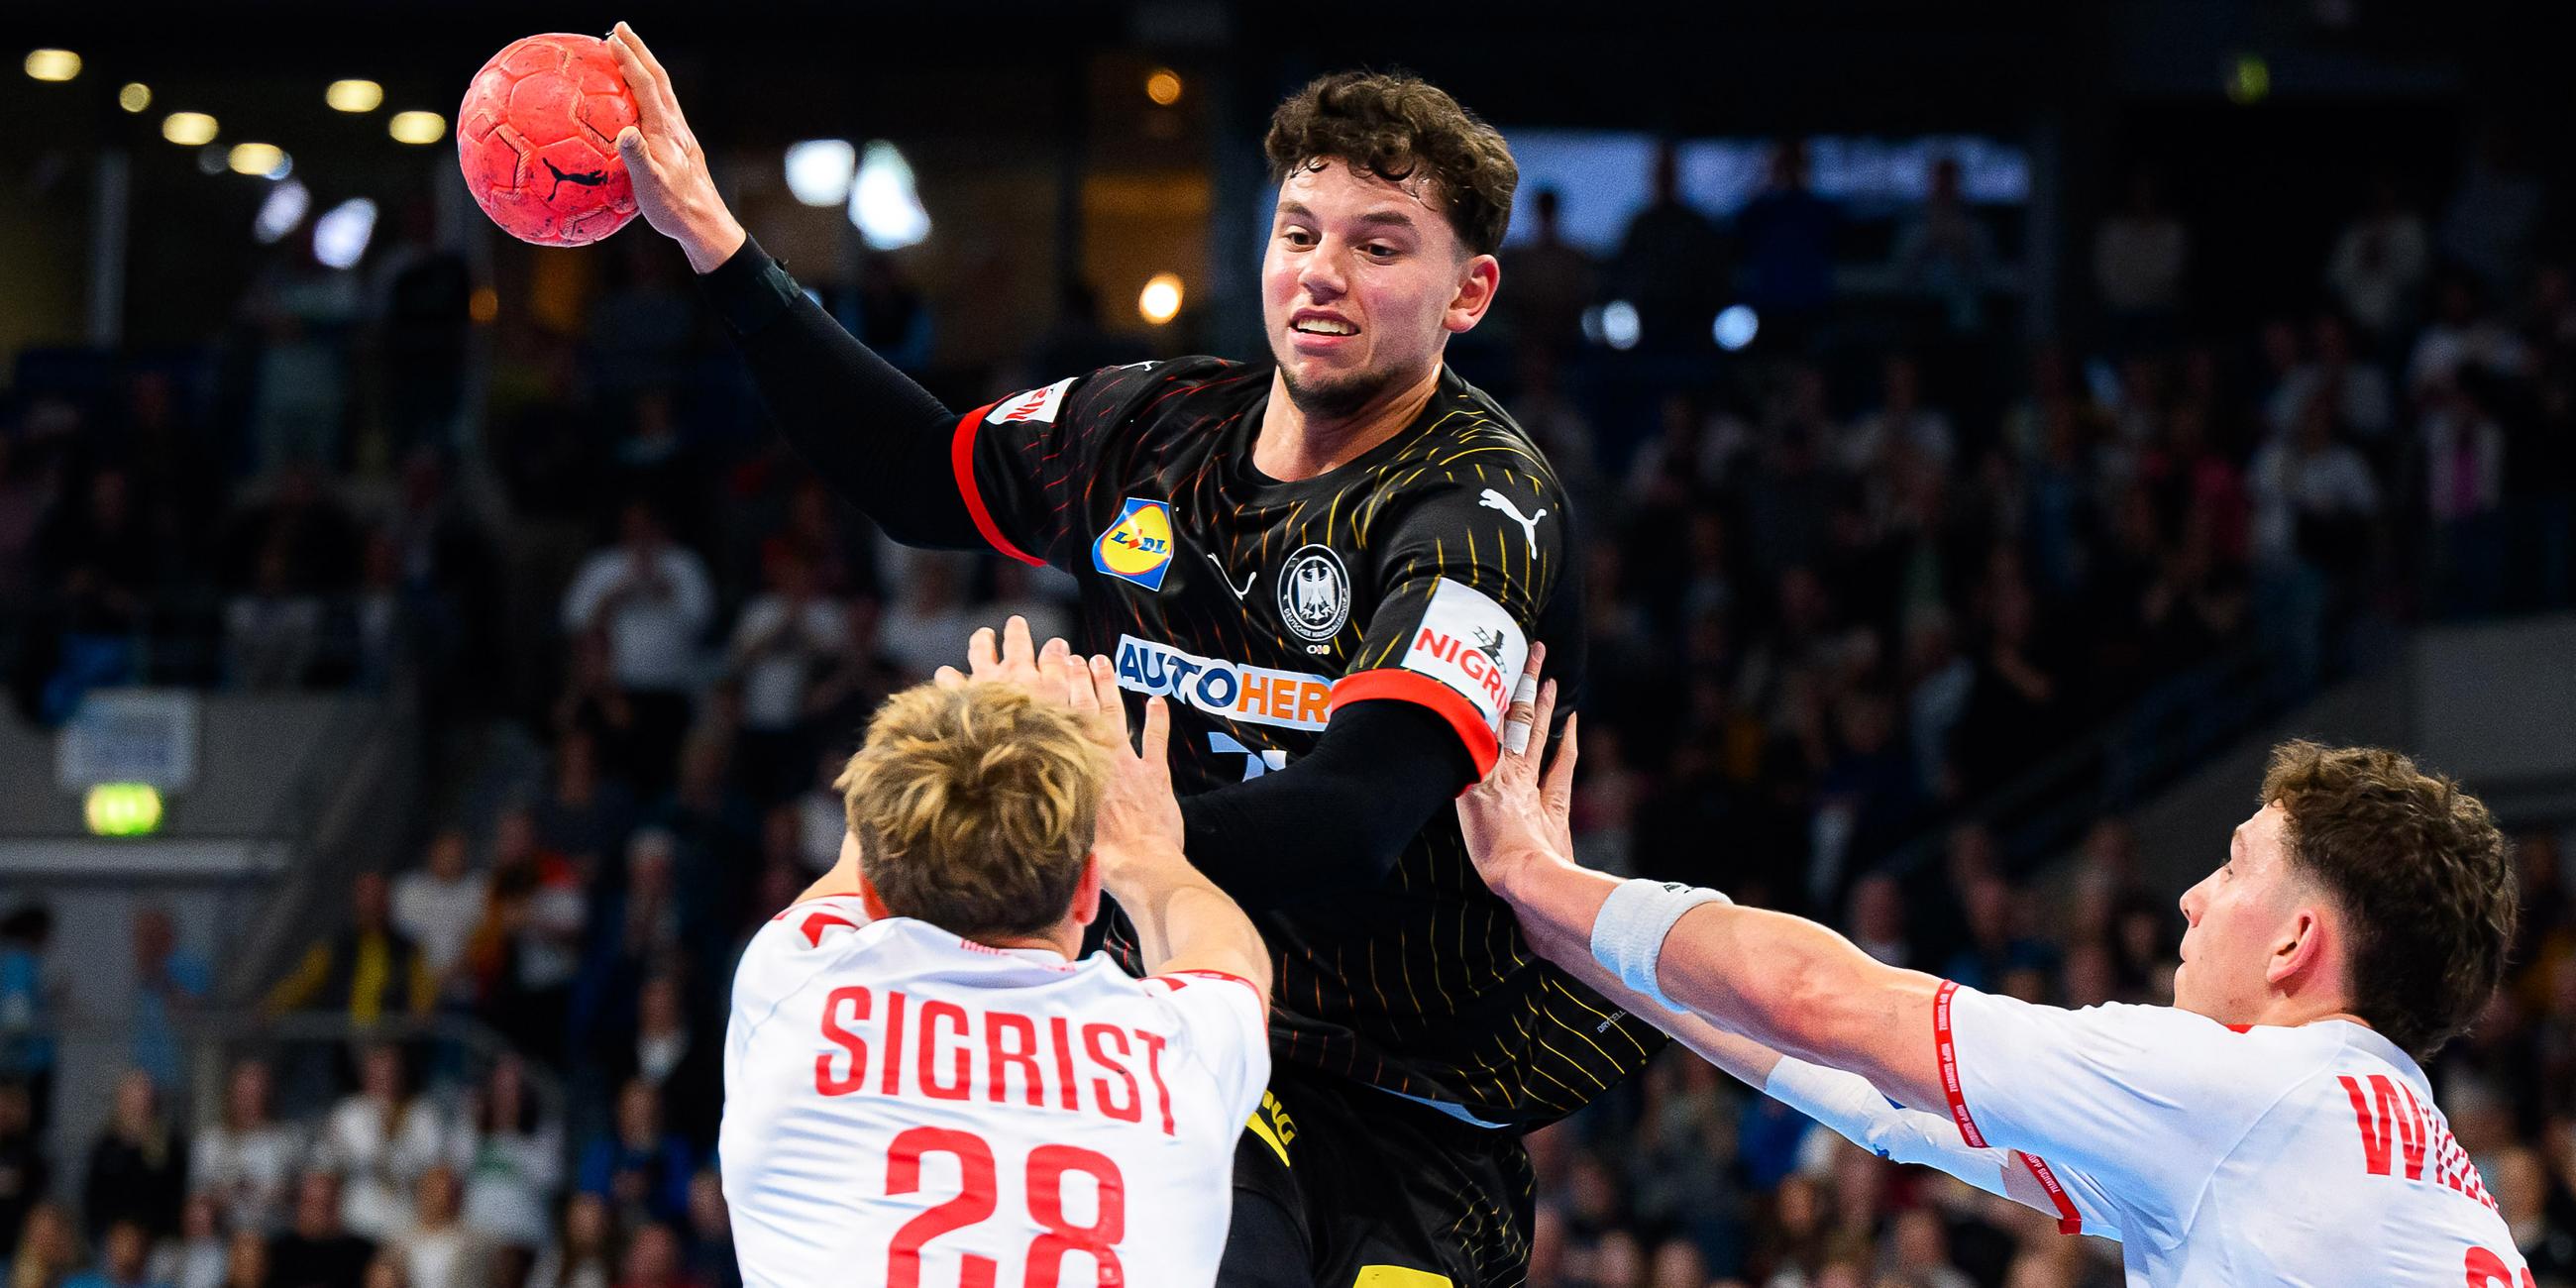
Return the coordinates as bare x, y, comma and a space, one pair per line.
1000, 1057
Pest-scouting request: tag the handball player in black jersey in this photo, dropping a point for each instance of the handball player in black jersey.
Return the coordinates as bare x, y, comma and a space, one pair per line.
1336, 567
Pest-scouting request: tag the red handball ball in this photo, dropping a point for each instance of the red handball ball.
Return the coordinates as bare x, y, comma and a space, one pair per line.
537, 137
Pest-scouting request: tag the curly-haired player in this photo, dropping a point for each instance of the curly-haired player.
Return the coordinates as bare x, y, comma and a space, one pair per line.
1335, 567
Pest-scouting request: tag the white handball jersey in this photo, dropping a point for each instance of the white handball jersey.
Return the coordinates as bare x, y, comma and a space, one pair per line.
906, 1108
2218, 1155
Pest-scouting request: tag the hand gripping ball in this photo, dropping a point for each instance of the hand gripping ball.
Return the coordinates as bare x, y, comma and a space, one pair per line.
537, 138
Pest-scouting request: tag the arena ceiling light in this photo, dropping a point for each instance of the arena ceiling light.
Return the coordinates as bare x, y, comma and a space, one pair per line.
281, 212
417, 127
883, 202
1737, 324
53, 64
354, 95
340, 235
1619, 327
188, 129
266, 160
1160, 301
134, 97
1164, 87
819, 171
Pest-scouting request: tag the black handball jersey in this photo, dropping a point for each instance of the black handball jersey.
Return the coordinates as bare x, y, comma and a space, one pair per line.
1420, 572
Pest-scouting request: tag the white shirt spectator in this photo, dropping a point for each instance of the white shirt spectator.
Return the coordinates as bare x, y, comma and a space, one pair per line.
378, 1163
511, 1179
2363, 399
439, 915
663, 601
2285, 482
252, 1171
776, 646
2380, 263
1866, 440
2444, 348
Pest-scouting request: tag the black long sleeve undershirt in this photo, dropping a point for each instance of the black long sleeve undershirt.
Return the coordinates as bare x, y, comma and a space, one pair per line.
1335, 819
876, 437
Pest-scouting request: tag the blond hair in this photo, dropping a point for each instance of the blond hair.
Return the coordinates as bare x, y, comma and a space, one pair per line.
973, 807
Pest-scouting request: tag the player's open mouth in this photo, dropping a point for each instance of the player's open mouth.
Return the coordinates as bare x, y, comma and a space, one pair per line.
1315, 322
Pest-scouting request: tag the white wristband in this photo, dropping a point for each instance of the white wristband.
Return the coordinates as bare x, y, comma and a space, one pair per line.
1628, 936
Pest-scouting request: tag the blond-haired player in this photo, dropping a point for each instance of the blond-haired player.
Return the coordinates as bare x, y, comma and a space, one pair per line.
923, 1086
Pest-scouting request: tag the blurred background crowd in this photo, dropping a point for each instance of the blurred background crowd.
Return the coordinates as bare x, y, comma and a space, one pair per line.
1937, 512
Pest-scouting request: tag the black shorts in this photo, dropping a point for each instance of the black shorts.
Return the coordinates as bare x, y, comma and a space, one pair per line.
1340, 1185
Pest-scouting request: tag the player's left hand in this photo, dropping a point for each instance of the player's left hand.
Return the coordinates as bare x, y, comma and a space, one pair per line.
1049, 673
1519, 814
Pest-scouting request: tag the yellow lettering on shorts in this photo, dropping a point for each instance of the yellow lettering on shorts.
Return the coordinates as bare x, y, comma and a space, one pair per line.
1399, 1277
1275, 1128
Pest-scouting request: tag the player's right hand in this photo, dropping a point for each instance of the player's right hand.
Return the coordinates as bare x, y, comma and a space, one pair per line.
672, 184
1140, 816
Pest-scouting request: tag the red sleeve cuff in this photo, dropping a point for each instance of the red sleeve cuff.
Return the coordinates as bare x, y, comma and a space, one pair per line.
2069, 1221
1423, 691
1949, 1057
961, 459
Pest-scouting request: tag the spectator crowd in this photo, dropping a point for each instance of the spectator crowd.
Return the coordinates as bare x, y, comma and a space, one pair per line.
1844, 587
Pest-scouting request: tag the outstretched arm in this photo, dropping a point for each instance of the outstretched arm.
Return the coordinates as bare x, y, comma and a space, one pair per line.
1783, 982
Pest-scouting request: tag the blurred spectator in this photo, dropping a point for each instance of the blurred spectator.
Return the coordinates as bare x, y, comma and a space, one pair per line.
301, 527
29, 997
2139, 256
1554, 281
920, 630
367, 971
196, 1259
47, 1251
653, 599
246, 1159
388, 1270
170, 982
439, 904
684, 1064
653, 1260
638, 1166
711, 1257
586, 1254
1787, 233
272, 633
784, 637
1900, 419
2464, 336
2493, 221
25, 1175
138, 1167
246, 1260
1671, 263
2358, 389
1945, 252
108, 566
316, 1251
2380, 263
512, 1159
378, 1140
439, 1250
125, 1255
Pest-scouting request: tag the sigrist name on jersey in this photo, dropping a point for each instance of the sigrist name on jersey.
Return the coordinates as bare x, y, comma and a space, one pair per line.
1231, 690
1467, 641
1314, 593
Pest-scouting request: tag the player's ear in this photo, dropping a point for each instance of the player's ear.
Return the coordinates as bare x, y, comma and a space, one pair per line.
2301, 949
1086, 892
1478, 279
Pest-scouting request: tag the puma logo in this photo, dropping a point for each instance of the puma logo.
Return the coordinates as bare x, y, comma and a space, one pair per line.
587, 178
1493, 500
1228, 579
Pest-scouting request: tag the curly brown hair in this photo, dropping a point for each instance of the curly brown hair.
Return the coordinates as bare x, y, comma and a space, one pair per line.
974, 807
2421, 872
1390, 125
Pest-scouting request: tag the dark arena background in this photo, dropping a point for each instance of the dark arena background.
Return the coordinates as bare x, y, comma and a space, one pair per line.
1990, 429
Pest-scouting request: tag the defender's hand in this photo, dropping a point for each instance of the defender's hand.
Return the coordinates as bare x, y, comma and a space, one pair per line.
1518, 816
672, 185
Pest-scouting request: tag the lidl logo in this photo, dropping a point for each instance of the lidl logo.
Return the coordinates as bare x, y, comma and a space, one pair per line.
1138, 547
